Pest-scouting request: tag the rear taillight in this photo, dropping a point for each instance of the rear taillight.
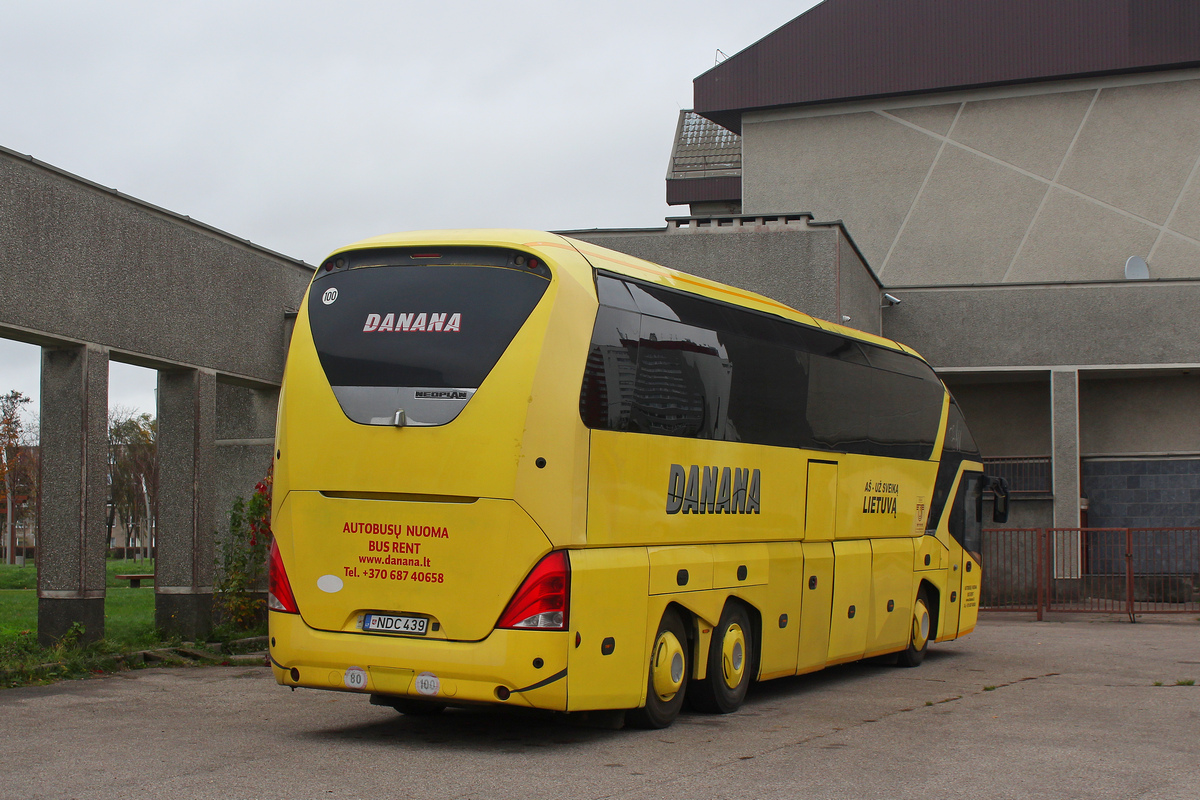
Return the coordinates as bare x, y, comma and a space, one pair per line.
279, 591
541, 602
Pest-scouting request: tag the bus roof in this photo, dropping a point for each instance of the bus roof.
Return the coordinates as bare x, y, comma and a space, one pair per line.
621, 264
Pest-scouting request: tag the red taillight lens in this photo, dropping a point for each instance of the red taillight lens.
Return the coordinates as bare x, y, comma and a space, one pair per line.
279, 591
541, 602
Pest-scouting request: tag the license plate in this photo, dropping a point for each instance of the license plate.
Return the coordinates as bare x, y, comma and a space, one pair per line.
395, 623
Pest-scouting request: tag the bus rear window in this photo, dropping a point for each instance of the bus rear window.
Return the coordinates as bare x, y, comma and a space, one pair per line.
407, 336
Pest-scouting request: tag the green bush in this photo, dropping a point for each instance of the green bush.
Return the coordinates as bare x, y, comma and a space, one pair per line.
241, 565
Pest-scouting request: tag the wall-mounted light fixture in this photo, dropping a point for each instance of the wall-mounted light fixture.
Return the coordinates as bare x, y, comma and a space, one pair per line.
1136, 269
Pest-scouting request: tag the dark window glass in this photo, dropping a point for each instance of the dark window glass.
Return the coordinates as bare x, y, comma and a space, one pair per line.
768, 394
609, 379
614, 293
705, 369
958, 437
956, 447
966, 515
682, 383
406, 337
459, 321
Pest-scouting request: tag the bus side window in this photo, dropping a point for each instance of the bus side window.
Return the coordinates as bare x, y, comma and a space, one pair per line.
606, 398
966, 515
682, 384
769, 393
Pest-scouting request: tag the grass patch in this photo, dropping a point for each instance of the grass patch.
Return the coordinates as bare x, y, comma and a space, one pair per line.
1185, 682
1158, 683
128, 626
989, 688
128, 616
14, 577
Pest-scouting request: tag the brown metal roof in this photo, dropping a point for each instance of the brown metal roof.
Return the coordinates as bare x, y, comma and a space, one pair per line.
857, 49
681, 191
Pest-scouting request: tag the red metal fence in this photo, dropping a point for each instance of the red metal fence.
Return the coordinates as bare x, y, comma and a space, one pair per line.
1123, 570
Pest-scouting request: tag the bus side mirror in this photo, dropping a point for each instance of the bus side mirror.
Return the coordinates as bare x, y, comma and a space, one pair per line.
999, 488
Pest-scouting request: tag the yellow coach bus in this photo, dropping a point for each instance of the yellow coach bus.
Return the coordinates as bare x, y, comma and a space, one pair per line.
520, 469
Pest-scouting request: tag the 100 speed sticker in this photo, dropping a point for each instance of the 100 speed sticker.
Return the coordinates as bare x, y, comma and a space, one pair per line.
428, 684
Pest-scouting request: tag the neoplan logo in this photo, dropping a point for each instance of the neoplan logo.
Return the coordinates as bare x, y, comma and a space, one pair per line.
448, 394
716, 490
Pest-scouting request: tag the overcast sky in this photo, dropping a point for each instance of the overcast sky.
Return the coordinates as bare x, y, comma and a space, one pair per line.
303, 126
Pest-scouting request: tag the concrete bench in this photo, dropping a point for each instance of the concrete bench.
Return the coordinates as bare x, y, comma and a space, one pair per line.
135, 581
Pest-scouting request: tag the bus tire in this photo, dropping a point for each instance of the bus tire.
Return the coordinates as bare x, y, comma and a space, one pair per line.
667, 678
729, 659
918, 638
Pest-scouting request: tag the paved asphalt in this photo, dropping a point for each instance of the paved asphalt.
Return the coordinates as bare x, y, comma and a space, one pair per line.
1074, 713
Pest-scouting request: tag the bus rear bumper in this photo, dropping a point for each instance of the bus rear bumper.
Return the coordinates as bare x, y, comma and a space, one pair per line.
517, 668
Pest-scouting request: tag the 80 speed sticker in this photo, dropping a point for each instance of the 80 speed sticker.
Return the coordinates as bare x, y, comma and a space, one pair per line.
355, 678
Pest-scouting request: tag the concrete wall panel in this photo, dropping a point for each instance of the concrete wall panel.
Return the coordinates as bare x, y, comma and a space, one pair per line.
794, 267
1031, 132
1075, 239
1187, 213
1006, 419
245, 413
137, 279
1138, 147
861, 168
860, 294
1175, 257
932, 118
1037, 326
1127, 416
966, 225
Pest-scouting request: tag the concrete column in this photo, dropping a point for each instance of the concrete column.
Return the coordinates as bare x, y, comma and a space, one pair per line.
74, 491
186, 435
245, 445
1064, 436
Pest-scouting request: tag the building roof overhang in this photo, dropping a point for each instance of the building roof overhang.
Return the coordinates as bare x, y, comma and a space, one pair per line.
861, 49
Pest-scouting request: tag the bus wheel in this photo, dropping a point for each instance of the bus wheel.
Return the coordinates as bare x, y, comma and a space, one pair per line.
728, 664
919, 638
668, 676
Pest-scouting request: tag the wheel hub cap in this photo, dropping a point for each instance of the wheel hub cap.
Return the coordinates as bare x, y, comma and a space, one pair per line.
920, 625
667, 666
733, 655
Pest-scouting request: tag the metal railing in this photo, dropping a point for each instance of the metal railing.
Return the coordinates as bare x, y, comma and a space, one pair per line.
1107, 570
1026, 475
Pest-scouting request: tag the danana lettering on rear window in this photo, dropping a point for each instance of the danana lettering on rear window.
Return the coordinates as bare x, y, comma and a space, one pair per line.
431, 322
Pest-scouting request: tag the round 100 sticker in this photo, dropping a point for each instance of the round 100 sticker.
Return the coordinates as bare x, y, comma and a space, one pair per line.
428, 684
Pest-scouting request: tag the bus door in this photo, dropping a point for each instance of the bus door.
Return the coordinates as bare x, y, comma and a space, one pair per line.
966, 531
816, 590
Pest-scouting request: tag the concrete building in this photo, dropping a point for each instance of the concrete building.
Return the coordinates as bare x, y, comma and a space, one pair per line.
997, 163
94, 276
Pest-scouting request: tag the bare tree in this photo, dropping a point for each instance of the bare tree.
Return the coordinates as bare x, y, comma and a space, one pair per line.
10, 443
132, 473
